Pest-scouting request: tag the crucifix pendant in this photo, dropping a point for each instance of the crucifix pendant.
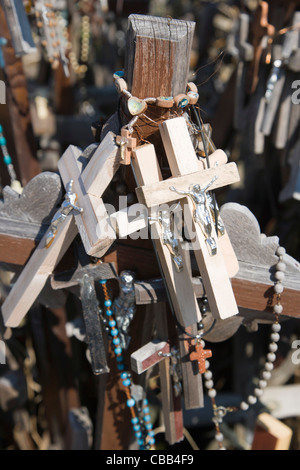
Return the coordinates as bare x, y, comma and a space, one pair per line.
200, 355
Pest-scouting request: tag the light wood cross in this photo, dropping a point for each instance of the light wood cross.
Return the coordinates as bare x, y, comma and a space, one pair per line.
183, 161
179, 285
91, 178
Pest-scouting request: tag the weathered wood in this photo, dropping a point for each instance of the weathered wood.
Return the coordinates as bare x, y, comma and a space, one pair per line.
169, 42
35, 274
253, 284
171, 402
35, 205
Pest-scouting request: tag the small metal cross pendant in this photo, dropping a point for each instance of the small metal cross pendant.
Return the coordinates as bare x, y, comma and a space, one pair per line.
200, 355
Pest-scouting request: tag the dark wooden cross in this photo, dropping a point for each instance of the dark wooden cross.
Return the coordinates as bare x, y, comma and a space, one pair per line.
200, 355
260, 29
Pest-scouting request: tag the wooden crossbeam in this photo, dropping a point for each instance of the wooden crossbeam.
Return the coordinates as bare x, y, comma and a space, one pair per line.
152, 195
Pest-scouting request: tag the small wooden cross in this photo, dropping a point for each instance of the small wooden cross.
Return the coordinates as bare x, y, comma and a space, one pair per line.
127, 144
200, 355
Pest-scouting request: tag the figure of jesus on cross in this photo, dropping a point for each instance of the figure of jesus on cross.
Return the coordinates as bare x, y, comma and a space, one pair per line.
202, 215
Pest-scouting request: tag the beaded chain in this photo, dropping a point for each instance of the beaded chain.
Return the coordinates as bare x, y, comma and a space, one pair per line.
15, 184
140, 416
220, 411
137, 106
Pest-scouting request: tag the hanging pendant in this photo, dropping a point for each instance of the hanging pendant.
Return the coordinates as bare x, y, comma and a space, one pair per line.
136, 106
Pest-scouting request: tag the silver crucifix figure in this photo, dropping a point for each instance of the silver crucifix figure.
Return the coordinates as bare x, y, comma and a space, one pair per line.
202, 215
166, 220
215, 212
66, 208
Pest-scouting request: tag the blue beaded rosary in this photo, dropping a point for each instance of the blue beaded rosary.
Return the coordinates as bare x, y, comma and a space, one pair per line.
140, 417
15, 184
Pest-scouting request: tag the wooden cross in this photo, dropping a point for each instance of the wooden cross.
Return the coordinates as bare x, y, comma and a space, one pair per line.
179, 284
213, 270
200, 355
261, 29
91, 177
19, 27
127, 144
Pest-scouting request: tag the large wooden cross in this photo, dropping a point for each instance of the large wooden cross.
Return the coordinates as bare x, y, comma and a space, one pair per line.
90, 177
